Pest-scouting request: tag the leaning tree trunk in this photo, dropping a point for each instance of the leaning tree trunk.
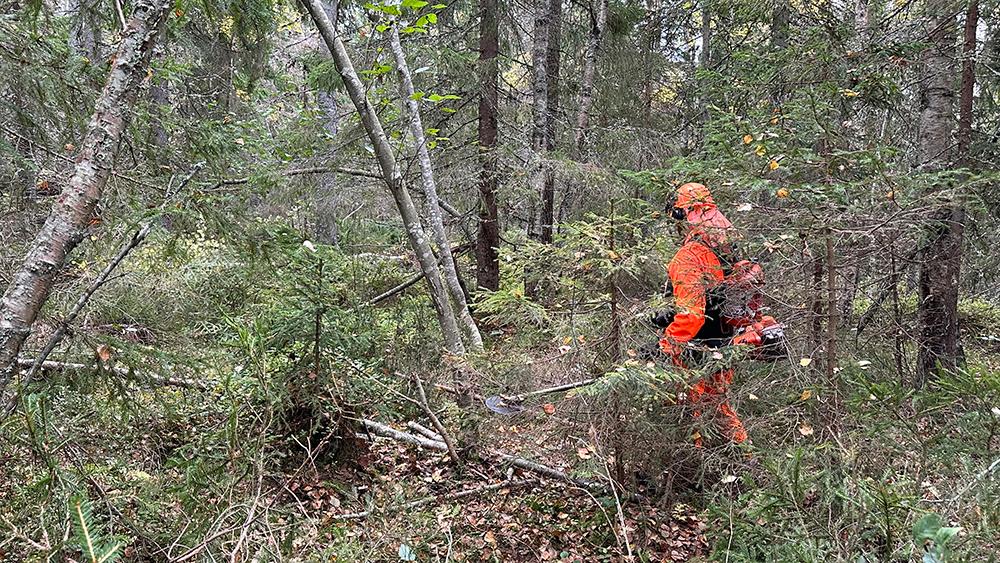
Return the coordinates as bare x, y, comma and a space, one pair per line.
66, 224
937, 315
393, 177
599, 18
488, 239
450, 270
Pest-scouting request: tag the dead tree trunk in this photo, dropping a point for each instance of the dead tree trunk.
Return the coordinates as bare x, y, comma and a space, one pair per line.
419, 241
66, 224
488, 239
448, 266
937, 315
598, 20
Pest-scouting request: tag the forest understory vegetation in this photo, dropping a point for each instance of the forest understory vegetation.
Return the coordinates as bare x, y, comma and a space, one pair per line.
279, 257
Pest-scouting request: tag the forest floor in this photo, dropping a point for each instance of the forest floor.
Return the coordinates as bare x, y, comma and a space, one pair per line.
511, 515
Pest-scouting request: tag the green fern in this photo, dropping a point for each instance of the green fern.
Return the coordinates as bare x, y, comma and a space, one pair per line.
90, 536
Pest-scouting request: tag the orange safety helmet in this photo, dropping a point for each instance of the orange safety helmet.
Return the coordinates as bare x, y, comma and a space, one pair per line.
696, 206
693, 195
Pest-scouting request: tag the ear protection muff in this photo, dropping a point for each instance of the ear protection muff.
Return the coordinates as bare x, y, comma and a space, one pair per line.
678, 213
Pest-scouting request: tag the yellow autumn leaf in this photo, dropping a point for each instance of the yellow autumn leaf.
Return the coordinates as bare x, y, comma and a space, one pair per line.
806, 429
848, 93
806, 395
804, 362
760, 150
747, 139
773, 165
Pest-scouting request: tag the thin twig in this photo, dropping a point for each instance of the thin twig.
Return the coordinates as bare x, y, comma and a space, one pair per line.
60, 332
452, 451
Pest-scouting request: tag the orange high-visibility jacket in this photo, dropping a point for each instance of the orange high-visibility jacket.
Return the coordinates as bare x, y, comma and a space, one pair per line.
694, 271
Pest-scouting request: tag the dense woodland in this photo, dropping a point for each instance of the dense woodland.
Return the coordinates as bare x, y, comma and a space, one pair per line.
265, 261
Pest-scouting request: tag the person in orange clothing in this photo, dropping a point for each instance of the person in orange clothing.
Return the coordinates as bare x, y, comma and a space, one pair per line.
701, 274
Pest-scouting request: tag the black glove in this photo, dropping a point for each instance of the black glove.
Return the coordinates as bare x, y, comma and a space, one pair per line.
661, 319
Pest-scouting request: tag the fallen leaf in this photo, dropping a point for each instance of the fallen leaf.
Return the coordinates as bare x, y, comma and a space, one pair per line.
104, 352
583, 453
806, 429
752, 397
747, 139
728, 479
240, 141
745, 207
806, 395
773, 165
782, 193
760, 150
69, 147
490, 538
549, 408
804, 362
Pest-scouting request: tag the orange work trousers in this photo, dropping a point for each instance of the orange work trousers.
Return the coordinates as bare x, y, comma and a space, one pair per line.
711, 393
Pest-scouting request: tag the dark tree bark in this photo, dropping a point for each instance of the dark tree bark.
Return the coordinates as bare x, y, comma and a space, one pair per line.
552, 57
66, 224
488, 239
779, 24
937, 315
965, 102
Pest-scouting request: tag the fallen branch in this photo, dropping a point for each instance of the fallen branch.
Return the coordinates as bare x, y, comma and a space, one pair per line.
427, 432
389, 432
550, 472
440, 498
452, 451
36, 365
162, 380
543, 470
412, 280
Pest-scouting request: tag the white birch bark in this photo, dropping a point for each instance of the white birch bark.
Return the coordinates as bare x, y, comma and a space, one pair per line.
600, 18
450, 273
65, 227
393, 177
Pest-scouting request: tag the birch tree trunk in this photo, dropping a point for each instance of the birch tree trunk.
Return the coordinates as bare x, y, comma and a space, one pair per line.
450, 271
393, 178
64, 229
599, 18
937, 314
488, 239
